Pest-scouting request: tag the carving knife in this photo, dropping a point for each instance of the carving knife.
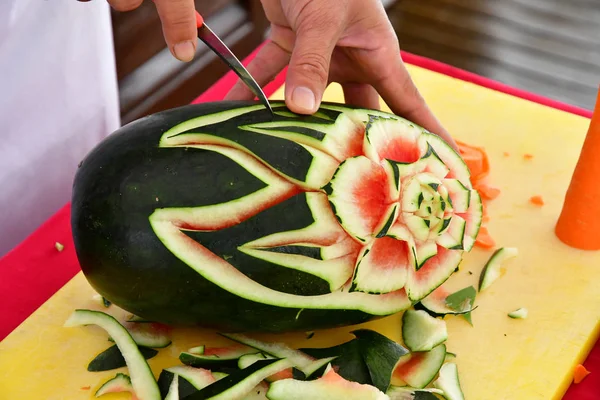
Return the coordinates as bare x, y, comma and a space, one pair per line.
215, 44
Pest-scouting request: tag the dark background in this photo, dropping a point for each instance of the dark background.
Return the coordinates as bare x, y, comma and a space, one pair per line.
550, 47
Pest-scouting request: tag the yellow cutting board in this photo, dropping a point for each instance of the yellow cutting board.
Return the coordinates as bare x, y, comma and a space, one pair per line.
498, 358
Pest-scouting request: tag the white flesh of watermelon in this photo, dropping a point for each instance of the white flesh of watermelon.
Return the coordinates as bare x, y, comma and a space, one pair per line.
449, 383
457, 167
453, 236
422, 332
173, 393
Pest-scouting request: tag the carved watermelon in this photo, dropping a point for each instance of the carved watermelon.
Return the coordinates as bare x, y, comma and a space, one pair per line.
223, 216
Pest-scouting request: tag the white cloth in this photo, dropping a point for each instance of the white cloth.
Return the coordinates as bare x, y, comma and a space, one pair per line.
58, 98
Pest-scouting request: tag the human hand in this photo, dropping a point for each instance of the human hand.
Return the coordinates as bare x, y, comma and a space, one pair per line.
178, 18
351, 42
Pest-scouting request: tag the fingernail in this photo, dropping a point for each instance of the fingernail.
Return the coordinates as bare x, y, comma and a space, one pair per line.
304, 98
184, 51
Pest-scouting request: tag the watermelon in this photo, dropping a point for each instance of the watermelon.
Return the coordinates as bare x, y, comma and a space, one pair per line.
418, 369
118, 384
225, 216
329, 386
112, 358
187, 380
215, 358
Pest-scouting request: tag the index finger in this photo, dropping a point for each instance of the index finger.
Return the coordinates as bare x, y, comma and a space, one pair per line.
402, 96
178, 18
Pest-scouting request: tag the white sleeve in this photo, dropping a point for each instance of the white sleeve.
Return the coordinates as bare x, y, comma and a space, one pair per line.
58, 98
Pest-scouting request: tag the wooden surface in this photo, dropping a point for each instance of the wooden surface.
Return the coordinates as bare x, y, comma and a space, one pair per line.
152, 80
498, 358
548, 47
138, 35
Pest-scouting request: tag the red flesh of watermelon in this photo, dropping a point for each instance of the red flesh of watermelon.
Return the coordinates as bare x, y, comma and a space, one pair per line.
400, 149
372, 197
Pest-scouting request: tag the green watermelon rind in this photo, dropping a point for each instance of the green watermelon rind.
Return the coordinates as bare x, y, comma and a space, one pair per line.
119, 383
417, 291
142, 378
332, 133
240, 383
423, 252
335, 271
112, 358
277, 350
421, 331
424, 372
292, 389
184, 379
449, 383
472, 228
460, 204
491, 270
451, 158
454, 235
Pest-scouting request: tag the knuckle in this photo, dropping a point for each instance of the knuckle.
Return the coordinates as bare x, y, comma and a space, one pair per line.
384, 74
314, 65
412, 92
322, 21
320, 16
384, 69
414, 102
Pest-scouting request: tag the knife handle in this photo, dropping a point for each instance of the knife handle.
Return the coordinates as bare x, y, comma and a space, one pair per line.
199, 20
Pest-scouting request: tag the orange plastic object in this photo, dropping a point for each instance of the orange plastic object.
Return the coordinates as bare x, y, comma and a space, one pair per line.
199, 20
579, 222
580, 373
537, 200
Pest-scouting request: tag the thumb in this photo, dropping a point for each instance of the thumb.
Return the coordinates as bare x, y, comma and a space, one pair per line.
308, 70
178, 18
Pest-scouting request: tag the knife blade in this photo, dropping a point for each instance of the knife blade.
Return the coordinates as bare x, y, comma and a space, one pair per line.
220, 49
